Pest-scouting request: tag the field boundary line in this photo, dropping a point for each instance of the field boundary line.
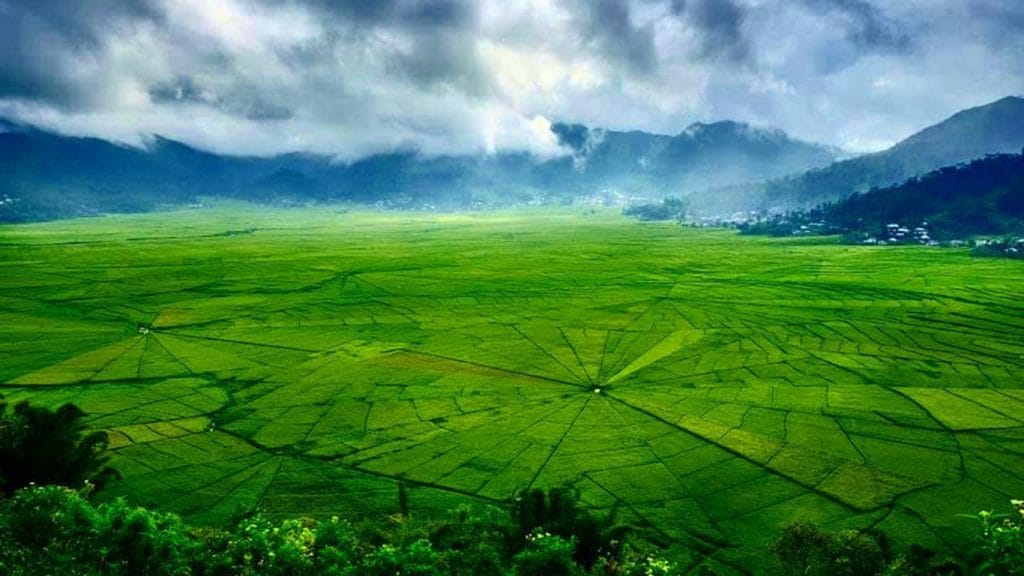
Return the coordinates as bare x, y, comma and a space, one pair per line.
740, 455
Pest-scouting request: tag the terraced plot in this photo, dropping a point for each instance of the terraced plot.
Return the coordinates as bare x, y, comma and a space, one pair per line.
710, 387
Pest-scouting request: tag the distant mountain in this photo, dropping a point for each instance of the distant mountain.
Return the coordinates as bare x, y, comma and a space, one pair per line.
725, 153
702, 157
994, 128
50, 176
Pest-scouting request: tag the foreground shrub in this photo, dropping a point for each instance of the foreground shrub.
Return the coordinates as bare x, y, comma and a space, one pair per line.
547, 555
635, 562
54, 530
474, 540
557, 512
257, 546
416, 559
1000, 548
806, 550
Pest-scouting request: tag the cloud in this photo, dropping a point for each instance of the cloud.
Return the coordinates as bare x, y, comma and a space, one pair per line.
864, 24
720, 25
48, 48
609, 28
352, 78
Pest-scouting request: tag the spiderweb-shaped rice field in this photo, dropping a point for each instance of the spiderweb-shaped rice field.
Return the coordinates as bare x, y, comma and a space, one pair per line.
708, 387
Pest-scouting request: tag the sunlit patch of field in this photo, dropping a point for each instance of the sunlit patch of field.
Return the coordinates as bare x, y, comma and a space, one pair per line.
710, 387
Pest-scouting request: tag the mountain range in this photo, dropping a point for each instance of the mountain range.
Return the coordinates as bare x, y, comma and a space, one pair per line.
719, 167
45, 175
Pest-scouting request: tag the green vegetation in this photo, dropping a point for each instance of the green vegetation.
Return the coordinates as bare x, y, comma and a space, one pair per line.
54, 530
41, 446
1000, 549
708, 388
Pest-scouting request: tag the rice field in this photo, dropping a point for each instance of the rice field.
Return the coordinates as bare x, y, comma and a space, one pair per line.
708, 387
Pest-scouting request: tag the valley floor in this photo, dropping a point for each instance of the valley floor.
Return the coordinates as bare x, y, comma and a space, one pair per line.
711, 387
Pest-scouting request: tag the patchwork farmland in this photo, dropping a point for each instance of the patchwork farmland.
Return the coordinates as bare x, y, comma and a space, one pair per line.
707, 387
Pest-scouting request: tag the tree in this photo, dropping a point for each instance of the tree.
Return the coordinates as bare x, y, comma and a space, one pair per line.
670, 209
43, 446
557, 512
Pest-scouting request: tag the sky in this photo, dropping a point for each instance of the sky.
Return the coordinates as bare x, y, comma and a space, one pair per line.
350, 78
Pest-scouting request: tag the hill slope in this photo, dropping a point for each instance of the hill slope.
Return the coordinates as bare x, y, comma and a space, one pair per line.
994, 128
983, 197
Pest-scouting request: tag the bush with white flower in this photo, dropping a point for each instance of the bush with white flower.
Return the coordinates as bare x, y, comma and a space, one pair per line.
1001, 547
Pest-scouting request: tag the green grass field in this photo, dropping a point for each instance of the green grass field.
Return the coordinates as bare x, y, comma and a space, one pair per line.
711, 387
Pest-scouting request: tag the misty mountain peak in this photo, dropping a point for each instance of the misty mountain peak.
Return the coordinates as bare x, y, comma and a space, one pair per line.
719, 127
732, 130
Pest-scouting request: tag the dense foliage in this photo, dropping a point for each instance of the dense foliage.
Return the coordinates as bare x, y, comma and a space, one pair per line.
557, 513
1000, 549
807, 550
55, 530
42, 446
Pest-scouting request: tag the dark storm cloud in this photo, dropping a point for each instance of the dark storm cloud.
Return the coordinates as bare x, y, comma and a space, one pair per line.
865, 24
75, 21
440, 34
435, 12
719, 24
1002, 20
444, 60
608, 26
442, 54
39, 38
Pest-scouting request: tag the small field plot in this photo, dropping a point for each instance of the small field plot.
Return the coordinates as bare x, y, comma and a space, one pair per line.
709, 387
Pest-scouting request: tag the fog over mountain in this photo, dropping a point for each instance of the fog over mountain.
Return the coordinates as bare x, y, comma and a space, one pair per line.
701, 157
351, 78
